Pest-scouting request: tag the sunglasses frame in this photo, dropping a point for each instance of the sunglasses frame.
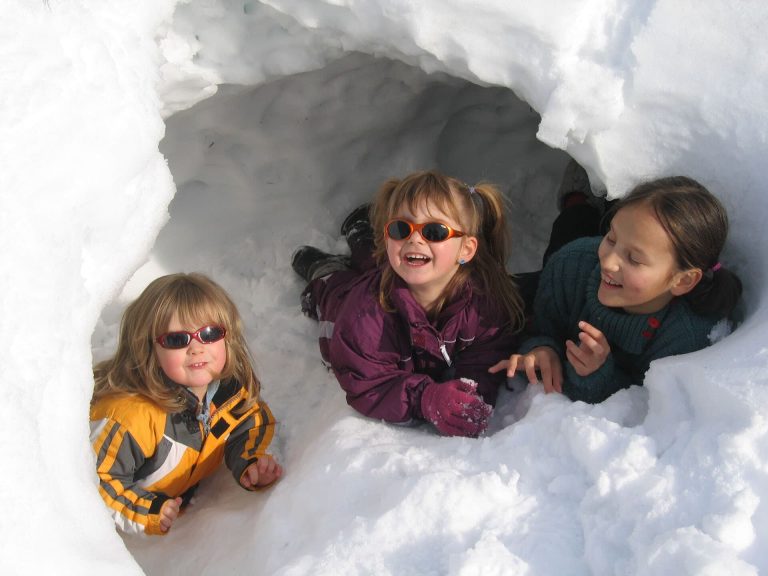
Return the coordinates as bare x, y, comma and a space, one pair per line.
192, 335
419, 227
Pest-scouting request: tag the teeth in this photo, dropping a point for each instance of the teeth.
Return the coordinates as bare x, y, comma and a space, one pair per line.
416, 257
610, 282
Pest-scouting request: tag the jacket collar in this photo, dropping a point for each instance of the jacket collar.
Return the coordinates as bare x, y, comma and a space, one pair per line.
406, 304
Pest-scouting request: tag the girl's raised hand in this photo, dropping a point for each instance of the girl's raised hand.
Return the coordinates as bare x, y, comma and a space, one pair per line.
544, 359
261, 473
592, 351
169, 511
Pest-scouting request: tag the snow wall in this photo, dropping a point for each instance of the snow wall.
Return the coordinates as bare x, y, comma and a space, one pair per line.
631, 90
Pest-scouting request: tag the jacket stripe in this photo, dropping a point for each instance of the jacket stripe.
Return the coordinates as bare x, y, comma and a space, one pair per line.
174, 455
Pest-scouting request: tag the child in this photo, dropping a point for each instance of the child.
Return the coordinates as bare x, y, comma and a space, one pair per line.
426, 308
178, 397
653, 286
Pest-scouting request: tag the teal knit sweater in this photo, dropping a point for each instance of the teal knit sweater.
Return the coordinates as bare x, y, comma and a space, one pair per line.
567, 293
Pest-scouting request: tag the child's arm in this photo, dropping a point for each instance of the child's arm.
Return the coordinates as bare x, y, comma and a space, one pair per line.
246, 450
680, 333
369, 367
118, 457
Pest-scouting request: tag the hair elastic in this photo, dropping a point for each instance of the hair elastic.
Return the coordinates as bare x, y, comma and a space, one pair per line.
716, 267
472, 190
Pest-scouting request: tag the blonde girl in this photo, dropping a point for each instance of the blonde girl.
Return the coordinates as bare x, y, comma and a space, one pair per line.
412, 321
178, 397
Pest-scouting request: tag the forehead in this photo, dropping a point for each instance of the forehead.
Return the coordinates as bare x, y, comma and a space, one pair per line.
423, 210
638, 226
190, 320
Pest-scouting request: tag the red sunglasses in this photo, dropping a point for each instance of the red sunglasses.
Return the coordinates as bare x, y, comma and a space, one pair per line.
181, 339
401, 229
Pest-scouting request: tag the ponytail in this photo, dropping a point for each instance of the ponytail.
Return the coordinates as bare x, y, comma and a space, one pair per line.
489, 264
716, 294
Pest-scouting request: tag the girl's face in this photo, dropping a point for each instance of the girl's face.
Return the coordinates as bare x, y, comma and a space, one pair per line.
638, 266
427, 267
195, 366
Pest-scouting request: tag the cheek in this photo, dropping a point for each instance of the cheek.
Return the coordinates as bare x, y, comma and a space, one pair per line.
393, 251
602, 252
168, 360
220, 354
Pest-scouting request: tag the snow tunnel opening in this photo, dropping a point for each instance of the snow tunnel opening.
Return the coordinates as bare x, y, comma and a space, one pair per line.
262, 169
330, 137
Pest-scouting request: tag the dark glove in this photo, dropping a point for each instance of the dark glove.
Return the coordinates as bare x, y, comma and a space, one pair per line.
455, 407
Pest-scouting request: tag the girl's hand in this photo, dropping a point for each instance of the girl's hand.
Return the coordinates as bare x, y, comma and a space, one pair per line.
542, 358
261, 473
169, 511
592, 351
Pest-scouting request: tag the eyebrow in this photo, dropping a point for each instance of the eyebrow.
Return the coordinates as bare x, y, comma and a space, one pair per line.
631, 248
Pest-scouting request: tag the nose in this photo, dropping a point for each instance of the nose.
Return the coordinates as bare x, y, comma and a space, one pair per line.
195, 347
413, 238
609, 261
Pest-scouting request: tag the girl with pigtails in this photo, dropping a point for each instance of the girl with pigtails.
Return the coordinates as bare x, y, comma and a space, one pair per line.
413, 319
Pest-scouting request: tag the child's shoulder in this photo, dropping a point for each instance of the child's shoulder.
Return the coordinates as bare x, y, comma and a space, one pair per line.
132, 411
690, 325
587, 245
576, 257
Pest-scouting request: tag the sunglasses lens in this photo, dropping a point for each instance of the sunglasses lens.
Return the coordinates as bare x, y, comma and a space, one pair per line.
211, 334
175, 340
435, 232
399, 230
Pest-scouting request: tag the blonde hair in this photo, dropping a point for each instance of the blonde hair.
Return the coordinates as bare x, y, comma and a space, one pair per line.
134, 369
480, 211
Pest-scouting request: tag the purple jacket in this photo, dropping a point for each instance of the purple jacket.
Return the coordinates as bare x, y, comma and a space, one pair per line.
383, 360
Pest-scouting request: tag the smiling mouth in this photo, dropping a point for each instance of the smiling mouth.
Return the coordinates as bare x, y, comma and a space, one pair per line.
417, 259
610, 282
198, 365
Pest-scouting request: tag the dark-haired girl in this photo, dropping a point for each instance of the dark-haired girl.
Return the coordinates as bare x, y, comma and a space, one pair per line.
652, 286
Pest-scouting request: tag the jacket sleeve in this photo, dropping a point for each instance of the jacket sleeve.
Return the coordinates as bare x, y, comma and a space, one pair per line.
596, 387
558, 303
559, 299
249, 440
118, 457
491, 344
365, 357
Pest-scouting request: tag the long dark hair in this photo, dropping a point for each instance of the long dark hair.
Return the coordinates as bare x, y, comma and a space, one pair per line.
480, 210
697, 225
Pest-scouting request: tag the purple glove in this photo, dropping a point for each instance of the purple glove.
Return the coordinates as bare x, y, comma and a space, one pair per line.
455, 408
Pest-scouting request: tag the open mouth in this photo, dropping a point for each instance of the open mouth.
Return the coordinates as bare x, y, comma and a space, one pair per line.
609, 282
417, 259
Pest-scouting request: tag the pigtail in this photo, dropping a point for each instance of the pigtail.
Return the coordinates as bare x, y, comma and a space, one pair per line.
489, 263
716, 294
379, 214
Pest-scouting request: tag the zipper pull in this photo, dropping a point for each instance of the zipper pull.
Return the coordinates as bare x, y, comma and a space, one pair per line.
444, 352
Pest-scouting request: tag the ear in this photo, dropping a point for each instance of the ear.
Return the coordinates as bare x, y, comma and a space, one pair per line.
468, 249
684, 282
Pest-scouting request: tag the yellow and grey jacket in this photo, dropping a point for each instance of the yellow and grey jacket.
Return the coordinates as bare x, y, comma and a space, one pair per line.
145, 455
